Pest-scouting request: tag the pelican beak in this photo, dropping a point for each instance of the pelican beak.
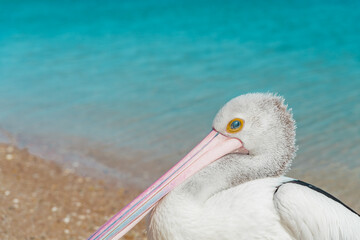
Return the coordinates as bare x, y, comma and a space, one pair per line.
212, 147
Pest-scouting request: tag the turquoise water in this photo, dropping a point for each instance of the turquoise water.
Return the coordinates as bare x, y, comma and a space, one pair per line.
130, 86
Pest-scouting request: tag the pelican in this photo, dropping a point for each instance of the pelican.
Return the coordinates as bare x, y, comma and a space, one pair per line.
232, 186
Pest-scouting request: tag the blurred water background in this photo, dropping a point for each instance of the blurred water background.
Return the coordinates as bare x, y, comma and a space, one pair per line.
126, 88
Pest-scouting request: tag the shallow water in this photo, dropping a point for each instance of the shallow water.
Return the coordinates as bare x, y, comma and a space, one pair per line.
130, 86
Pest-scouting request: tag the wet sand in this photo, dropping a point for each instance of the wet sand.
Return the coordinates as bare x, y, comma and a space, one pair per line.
40, 200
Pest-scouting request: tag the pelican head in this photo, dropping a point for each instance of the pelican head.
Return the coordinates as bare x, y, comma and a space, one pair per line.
267, 130
253, 136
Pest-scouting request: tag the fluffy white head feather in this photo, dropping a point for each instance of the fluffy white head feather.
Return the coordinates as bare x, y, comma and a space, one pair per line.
268, 134
269, 128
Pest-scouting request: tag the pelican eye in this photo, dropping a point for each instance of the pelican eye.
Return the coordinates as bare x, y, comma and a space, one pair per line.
235, 125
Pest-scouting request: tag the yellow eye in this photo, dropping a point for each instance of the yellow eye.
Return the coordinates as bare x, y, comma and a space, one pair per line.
235, 125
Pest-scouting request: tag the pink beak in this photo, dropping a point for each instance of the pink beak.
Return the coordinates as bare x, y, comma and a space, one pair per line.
211, 148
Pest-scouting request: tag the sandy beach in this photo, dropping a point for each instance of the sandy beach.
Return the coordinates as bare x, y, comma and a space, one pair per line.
40, 200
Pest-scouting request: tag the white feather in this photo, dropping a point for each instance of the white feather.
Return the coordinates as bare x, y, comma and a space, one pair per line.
244, 212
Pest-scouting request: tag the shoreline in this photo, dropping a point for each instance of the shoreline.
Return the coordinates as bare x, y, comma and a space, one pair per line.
41, 200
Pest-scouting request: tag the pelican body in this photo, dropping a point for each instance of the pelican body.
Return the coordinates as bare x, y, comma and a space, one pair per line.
232, 186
